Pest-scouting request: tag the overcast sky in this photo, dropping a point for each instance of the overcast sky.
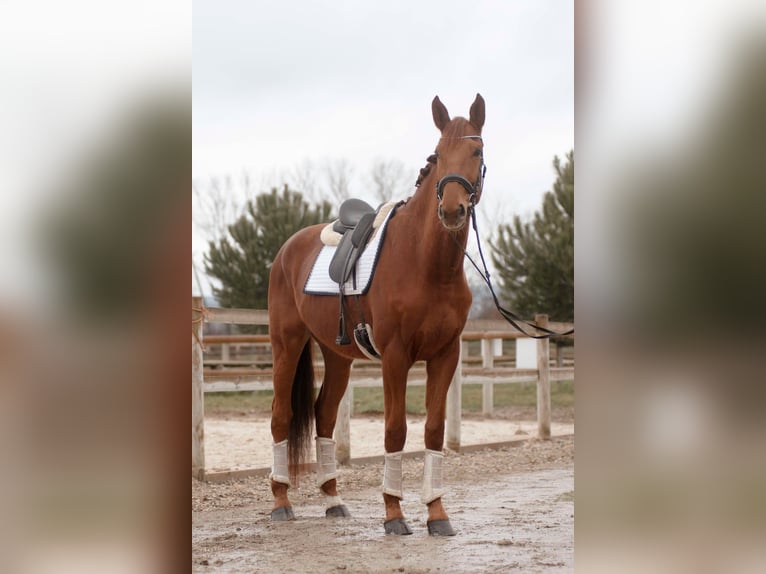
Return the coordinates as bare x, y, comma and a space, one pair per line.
275, 83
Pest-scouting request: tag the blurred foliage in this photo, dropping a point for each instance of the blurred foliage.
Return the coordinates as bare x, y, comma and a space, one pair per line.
241, 261
111, 221
693, 233
535, 260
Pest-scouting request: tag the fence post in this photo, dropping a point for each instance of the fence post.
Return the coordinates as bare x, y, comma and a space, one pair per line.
543, 383
454, 405
198, 396
487, 362
343, 427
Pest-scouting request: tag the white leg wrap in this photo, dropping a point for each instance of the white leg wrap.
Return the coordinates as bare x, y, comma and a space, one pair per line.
331, 501
279, 471
432, 476
326, 469
392, 474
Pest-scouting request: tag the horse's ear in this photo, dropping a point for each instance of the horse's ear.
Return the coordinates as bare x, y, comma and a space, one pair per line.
441, 115
477, 112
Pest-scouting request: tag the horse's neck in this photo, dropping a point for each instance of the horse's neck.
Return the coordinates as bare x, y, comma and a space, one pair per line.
438, 252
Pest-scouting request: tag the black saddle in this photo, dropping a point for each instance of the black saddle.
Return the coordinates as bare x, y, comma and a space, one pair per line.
355, 223
351, 213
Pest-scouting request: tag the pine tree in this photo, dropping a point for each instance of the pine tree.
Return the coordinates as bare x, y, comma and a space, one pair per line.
535, 260
241, 260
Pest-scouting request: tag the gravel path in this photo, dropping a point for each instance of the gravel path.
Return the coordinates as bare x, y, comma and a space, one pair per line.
512, 508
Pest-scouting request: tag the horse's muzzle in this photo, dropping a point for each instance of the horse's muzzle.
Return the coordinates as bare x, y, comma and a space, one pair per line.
453, 220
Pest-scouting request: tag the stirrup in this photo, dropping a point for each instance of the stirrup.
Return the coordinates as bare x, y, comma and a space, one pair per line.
365, 342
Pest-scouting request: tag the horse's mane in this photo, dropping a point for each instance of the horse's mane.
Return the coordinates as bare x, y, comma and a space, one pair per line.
424, 171
455, 128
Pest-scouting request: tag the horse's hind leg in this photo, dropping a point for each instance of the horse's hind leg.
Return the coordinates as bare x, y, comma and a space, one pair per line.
286, 360
337, 370
288, 340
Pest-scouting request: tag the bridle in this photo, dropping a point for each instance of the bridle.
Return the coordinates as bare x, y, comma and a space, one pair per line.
473, 189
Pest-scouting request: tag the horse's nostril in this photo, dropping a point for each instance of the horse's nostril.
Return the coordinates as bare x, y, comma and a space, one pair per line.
461, 210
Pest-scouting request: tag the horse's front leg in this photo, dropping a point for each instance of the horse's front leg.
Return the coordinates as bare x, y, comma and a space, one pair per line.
439, 370
395, 367
337, 371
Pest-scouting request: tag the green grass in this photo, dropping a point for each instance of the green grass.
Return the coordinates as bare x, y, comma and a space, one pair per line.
370, 400
255, 401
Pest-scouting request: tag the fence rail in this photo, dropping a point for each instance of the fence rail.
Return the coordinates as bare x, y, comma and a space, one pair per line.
229, 368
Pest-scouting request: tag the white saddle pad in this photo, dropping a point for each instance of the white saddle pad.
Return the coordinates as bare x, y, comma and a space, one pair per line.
319, 282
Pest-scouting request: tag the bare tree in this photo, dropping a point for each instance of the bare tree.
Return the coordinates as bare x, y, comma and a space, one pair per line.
218, 201
389, 179
304, 177
338, 175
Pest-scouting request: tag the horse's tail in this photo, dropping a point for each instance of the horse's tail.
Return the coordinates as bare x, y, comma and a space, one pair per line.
302, 402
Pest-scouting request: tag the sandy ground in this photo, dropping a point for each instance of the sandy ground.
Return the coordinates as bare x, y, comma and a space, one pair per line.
242, 443
512, 508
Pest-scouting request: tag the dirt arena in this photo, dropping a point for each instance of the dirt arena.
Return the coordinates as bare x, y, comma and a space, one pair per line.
511, 508
244, 442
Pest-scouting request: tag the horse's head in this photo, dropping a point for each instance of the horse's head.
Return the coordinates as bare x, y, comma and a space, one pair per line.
459, 163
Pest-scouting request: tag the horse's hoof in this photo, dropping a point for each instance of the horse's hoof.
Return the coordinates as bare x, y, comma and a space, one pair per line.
440, 528
339, 511
397, 526
282, 513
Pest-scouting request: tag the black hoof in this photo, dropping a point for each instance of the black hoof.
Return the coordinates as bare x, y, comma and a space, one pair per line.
282, 513
440, 528
339, 511
397, 526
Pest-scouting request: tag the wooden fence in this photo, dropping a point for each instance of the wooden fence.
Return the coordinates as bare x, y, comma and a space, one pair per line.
225, 369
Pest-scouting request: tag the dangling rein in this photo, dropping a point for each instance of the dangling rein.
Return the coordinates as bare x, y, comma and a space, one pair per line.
473, 192
508, 315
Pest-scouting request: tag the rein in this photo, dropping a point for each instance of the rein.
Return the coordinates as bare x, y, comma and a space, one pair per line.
507, 314
473, 190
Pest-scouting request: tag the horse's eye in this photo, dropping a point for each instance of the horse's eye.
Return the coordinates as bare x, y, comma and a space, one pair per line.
477, 153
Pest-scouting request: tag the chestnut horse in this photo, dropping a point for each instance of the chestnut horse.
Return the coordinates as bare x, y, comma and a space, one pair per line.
417, 305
